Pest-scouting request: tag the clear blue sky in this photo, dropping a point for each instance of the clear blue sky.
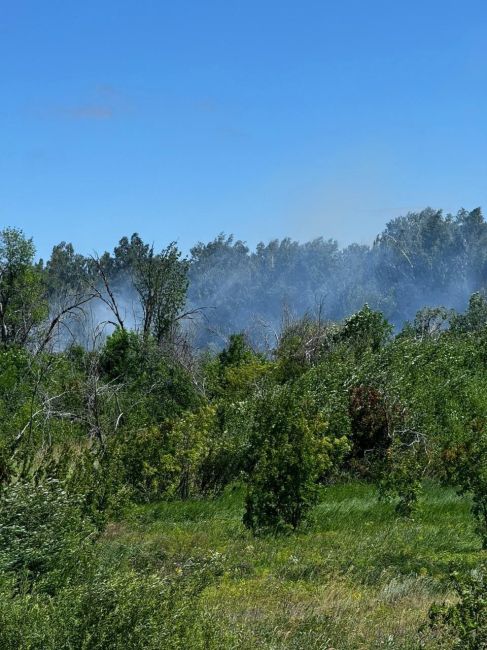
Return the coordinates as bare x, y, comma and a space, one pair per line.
180, 119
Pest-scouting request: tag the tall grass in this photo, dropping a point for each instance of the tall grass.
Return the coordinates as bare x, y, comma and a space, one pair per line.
356, 576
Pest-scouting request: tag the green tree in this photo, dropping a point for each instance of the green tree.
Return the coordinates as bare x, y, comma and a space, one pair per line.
474, 320
290, 450
160, 280
236, 353
22, 295
366, 330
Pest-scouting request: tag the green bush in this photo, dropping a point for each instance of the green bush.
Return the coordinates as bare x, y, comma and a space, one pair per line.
464, 622
110, 610
59, 590
289, 452
44, 538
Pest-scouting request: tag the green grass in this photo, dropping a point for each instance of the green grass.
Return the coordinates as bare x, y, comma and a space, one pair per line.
355, 577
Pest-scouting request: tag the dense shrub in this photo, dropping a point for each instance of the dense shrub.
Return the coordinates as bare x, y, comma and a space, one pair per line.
290, 450
369, 421
366, 330
59, 590
44, 537
112, 608
464, 622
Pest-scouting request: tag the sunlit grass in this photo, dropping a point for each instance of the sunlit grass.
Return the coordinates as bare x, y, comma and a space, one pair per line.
356, 576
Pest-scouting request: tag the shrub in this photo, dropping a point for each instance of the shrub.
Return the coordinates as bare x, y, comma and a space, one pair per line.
464, 622
366, 330
368, 420
466, 464
43, 535
58, 589
289, 452
112, 609
401, 476
166, 461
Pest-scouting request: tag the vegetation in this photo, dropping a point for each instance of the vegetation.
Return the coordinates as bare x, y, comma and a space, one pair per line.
317, 493
466, 620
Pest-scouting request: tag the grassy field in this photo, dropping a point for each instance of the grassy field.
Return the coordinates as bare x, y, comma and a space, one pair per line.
355, 577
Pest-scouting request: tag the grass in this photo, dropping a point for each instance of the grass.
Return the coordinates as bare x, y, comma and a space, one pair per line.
355, 577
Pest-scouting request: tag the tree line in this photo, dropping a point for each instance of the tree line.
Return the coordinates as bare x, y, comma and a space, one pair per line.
422, 259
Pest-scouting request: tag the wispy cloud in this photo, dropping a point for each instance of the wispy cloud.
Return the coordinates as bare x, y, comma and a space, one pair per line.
87, 112
104, 102
206, 105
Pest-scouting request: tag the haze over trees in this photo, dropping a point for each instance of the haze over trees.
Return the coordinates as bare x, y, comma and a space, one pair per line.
421, 259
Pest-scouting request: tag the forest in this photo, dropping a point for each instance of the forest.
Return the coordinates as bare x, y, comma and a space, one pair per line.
283, 447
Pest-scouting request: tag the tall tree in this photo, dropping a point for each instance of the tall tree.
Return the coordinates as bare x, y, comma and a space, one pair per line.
161, 282
22, 294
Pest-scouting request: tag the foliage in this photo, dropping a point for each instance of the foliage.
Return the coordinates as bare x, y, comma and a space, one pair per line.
237, 352
357, 576
59, 591
119, 357
369, 421
22, 303
432, 321
401, 476
301, 345
465, 620
366, 330
160, 280
466, 465
166, 461
44, 538
91, 432
290, 450
475, 317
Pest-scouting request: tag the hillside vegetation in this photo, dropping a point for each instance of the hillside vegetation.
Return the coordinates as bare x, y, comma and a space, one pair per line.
325, 491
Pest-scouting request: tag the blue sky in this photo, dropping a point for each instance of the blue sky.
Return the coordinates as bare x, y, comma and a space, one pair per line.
266, 118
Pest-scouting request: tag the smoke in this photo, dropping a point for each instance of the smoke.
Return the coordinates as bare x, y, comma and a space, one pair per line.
424, 259
91, 323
